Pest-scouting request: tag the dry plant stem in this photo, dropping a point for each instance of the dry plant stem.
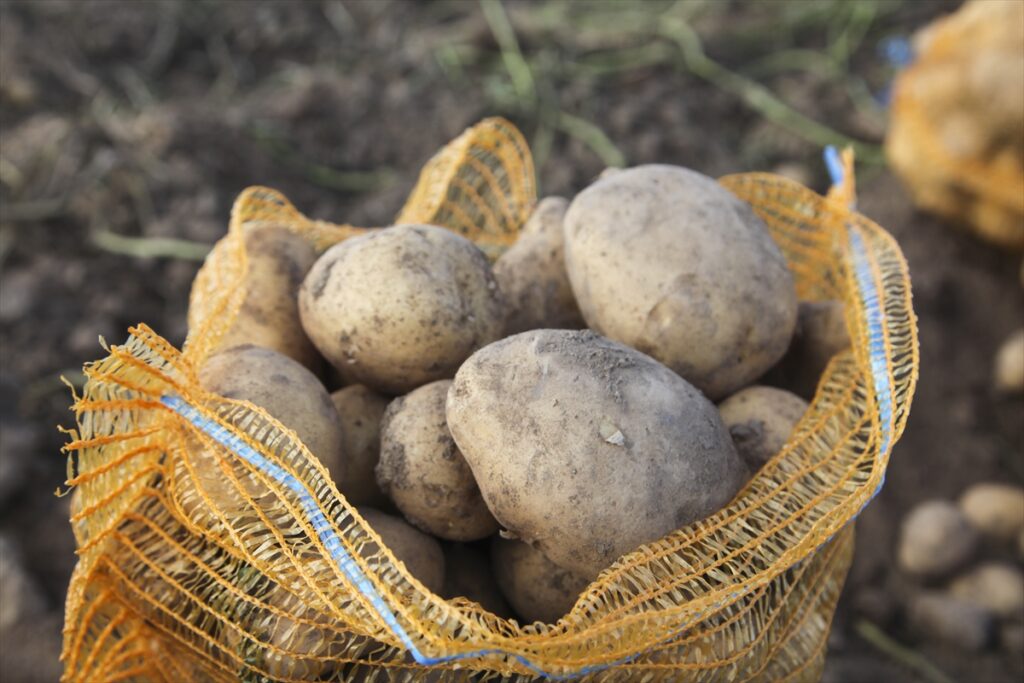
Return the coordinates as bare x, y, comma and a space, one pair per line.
902, 654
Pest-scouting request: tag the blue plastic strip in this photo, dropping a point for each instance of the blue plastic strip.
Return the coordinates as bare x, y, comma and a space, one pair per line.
834, 164
897, 50
872, 312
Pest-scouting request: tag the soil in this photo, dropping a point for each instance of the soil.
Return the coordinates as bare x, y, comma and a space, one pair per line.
146, 119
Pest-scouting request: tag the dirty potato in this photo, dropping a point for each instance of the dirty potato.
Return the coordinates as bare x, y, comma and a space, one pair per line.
302, 643
537, 588
285, 389
360, 410
532, 277
421, 554
422, 471
819, 335
278, 260
669, 262
400, 307
760, 420
585, 448
468, 574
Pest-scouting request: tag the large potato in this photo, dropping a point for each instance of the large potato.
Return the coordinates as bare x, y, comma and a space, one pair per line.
422, 471
760, 420
285, 389
400, 307
537, 588
531, 274
669, 262
278, 260
468, 574
361, 411
585, 448
421, 554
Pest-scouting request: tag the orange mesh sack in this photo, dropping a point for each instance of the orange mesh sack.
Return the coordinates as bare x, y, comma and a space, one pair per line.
289, 583
956, 130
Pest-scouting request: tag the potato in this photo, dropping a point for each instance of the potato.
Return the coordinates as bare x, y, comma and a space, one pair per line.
537, 588
667, 261
397, 308
532, 277
361, 411
298, 638
278, 261
421, 554
422, 471
1008, 373
285, 389
468, 574
820, 334
585, 448
760, 420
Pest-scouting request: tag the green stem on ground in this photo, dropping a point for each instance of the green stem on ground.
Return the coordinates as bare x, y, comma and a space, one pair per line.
900, 653
318, 174
511, 55
760, 98
593, 137
150, 247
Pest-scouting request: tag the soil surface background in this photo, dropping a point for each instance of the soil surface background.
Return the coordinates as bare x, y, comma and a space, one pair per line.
146, 119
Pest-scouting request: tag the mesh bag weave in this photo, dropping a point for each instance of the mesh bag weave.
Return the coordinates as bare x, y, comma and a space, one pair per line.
287, 582
956, 128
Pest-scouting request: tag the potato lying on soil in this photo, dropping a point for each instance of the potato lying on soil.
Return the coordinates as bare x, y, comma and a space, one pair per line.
669, 262
468, 574
537, 588
422, 471
586, 448
532, 277
285, 389
760, 420
361, 410
819, 335
397, 308
421, 554
278, 260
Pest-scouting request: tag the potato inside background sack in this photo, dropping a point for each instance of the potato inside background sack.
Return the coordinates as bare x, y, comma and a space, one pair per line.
586, 448
400, 307
668, 261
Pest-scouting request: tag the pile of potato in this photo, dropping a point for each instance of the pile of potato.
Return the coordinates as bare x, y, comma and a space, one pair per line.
955, 134
510, 430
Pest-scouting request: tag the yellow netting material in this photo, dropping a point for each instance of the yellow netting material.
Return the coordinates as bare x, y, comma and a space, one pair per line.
288, 582
956, 129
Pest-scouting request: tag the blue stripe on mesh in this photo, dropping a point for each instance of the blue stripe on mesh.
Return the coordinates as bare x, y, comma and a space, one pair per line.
873, 315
